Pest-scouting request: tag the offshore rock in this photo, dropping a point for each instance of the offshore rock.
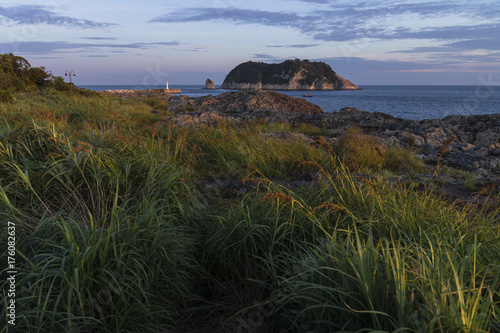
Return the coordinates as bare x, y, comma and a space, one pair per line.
209, 84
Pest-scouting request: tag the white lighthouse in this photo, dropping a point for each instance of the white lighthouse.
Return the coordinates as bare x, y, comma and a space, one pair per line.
171, 91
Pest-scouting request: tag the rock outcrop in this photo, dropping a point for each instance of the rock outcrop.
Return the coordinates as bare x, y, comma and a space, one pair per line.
470, 143
289, 75
209, 84
240, 102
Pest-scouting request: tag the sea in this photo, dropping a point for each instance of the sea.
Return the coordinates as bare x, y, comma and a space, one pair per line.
408, 102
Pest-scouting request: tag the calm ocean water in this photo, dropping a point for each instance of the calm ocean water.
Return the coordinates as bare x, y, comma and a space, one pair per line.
409, 102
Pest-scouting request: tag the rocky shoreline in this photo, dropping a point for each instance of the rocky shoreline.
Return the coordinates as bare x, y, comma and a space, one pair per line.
294, 84
468, 143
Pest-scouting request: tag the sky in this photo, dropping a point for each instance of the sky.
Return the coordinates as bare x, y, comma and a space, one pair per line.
148, 42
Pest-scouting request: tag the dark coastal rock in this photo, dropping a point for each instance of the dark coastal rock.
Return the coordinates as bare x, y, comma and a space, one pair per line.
244, 102
470, 143
201, 118
209, 84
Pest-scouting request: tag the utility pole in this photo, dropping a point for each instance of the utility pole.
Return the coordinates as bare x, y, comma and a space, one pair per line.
70, 73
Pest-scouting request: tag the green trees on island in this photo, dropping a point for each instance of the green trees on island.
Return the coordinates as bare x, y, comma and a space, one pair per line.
256, 72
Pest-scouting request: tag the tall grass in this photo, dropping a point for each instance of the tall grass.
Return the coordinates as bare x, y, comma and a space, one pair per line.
134, 275
352, 283
100, 240
115, 235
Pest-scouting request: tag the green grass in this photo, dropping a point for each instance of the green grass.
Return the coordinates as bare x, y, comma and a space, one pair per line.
115, 234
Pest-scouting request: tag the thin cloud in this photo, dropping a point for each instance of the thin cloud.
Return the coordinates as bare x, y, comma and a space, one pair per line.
444, 64
455, 32
235, 15
480, 43
99, 38
39, 48
487, 39
264, 56
36, 14
43, 58
295, 46
94, 56
315, 1
361, 64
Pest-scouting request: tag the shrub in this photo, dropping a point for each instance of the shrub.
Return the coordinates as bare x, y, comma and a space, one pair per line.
469, 186
403, 160
409, 140
357, 150
156, 103
187, 108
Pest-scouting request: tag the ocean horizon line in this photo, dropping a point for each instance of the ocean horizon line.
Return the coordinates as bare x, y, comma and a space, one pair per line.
366, 85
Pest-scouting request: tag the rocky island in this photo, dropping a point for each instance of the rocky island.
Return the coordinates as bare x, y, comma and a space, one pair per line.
289, 75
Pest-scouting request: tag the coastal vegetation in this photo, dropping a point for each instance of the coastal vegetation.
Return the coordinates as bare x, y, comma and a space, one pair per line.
17, 76
126, 222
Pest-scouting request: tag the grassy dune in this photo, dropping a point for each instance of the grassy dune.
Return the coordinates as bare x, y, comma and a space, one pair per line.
123, 226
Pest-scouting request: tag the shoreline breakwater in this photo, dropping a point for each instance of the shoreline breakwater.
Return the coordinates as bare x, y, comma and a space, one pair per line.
140, 92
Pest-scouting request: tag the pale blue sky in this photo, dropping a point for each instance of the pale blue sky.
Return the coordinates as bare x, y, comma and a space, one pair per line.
150, 42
